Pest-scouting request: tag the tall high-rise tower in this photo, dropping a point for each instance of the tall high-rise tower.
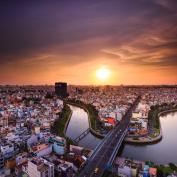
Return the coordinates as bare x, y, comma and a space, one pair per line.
61, 89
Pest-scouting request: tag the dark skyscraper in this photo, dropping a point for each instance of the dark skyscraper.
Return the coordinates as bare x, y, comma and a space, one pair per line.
61, 89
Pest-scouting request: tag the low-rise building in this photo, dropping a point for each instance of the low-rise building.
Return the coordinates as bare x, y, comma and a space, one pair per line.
38, 167
7, 150
42, 150
1, 160
127, 167
59, 144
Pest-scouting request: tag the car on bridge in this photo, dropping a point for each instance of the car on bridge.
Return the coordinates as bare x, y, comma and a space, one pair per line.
96, 171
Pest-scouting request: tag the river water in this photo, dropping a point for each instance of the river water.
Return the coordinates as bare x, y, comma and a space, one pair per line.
78, 124
162, 152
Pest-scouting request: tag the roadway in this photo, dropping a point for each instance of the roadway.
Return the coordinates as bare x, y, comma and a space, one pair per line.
106, 151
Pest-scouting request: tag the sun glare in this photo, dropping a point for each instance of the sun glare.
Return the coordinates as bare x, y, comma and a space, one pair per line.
103, 74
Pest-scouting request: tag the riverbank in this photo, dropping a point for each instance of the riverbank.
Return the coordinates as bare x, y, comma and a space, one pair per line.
167, 111
60, 125
143, 140
92, 116
162, 170
155, 135
165, 170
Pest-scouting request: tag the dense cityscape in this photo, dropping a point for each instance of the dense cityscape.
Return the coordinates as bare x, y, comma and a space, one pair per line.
34, 122
88, 88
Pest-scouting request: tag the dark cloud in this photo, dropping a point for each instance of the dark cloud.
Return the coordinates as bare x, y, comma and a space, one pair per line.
135, 32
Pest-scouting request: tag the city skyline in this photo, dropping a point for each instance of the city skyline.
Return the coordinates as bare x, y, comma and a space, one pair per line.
44, 42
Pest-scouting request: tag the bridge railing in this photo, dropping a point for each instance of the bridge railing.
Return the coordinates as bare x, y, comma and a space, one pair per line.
81, 136
117, 148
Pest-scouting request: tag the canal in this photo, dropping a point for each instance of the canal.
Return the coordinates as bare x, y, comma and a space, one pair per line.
162, 152
78, 124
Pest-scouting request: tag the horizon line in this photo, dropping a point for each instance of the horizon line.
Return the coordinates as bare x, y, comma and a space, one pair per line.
97, 85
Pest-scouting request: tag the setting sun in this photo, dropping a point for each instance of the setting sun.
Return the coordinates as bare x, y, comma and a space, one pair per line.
103, 74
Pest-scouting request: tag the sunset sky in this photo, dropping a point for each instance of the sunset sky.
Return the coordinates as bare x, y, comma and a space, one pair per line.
42, 42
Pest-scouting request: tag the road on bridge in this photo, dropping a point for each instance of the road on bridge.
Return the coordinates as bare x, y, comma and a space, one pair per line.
102, 155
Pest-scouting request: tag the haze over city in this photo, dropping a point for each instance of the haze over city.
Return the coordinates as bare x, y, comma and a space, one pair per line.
129, 42
88, 88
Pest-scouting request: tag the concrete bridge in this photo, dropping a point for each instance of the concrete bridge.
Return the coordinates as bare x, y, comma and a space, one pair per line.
81, 136
105, 153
